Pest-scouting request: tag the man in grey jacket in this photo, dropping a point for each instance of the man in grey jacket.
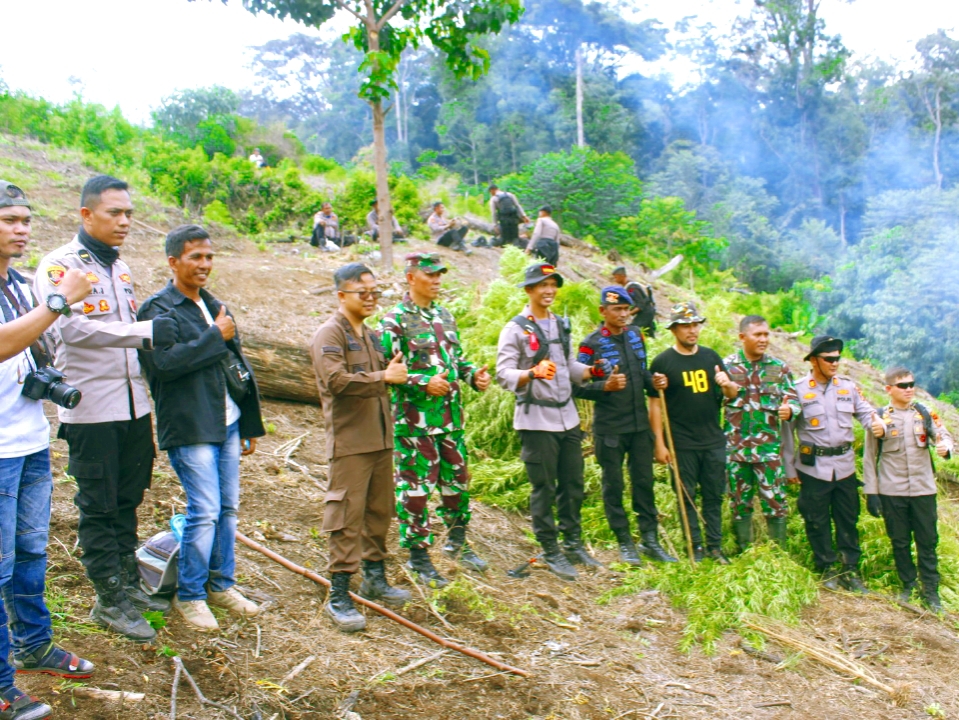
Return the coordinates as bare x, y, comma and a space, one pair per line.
110, 433
534, 360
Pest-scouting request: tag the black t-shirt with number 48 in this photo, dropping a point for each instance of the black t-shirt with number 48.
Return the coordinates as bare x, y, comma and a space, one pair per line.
693, 399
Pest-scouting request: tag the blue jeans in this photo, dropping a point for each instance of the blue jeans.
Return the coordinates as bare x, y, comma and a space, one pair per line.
210, 475
25, 489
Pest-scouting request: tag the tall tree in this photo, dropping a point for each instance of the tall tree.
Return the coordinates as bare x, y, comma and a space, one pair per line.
382, 30
935, 85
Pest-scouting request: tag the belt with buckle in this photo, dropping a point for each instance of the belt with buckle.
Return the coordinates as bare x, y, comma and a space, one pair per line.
820, 451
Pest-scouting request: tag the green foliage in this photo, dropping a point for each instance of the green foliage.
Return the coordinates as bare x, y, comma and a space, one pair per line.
761, 581
787, 310
318, 165
217, 212
155, 618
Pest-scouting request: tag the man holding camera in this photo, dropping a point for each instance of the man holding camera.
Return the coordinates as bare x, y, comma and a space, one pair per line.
26, 483
110, 433
208, 414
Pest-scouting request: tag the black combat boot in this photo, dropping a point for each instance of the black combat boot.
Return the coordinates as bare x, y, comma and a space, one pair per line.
114, 611
577, 555
776, 527
557, 563
743, 528
458, 549
340, 606
851, 580
376, 587
699, 553
426, 574
930, 598
716, 554
653, 550
905, 594
131, 585
830, 578
627, 550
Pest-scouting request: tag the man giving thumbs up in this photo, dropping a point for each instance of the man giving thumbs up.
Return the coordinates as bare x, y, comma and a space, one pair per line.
430, 452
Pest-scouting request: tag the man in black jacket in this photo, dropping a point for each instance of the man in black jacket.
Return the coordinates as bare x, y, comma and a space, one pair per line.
206, 401
621, 424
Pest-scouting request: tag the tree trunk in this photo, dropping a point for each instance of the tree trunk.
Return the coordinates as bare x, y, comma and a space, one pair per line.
580, 134
283, 371
384, 207
937, 119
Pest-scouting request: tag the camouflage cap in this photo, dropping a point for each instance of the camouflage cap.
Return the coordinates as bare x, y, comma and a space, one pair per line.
684, 313
427, 262
11, 195
614, 295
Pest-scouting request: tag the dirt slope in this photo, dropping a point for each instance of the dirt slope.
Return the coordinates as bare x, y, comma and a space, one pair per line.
587, 660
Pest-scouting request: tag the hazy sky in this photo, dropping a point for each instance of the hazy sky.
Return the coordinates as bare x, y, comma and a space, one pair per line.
134, 52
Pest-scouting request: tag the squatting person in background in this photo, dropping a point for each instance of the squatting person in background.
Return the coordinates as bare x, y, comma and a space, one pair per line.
696, 384
26, 483
621, 424
208, 414
110, 433
825, 463
446, 231
506, 213
534, 360
353, 377
765, 397
900, 483
545, 240
373, 223
428, 415
326, 227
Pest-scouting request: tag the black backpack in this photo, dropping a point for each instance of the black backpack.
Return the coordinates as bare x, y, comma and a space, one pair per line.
506, 207
642, 296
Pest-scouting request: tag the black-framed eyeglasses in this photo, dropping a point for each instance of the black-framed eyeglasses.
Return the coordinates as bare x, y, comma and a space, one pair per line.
365, 294
905, 385
831, 359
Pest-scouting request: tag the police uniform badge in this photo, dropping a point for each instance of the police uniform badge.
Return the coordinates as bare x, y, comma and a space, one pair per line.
55, 274
84, 255
92, 278
125, 277
104, 306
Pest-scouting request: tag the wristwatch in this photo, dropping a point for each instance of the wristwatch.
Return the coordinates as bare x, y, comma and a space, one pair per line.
532, 374
58, 304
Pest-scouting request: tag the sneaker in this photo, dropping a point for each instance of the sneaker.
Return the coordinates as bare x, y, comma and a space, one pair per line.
17, 705
232, 600
197, 614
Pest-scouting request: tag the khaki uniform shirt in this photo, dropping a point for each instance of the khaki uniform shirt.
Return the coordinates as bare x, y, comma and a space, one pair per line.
904, 467
514, 358
96, 347
355, 399
825, 421
545, 228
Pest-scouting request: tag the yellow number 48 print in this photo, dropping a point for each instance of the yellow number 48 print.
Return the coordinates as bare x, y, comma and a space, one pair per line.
696, 380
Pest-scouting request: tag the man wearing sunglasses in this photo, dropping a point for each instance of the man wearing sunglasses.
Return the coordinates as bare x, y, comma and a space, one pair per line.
353, 377
823, 462
899, 481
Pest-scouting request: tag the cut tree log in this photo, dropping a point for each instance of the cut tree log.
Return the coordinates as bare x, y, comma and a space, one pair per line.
283, 371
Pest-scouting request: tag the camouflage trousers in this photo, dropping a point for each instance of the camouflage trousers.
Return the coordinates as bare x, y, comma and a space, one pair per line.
766, 478
423, 464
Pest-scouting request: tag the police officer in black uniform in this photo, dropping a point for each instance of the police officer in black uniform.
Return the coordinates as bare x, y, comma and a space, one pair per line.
621, 423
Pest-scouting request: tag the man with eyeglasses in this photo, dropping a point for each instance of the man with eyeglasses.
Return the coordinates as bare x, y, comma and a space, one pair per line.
826, 467
353, 377
430, 449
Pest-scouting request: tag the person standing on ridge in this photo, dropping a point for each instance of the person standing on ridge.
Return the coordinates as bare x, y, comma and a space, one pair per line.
621, 424
430, 449
766, 397
544, 242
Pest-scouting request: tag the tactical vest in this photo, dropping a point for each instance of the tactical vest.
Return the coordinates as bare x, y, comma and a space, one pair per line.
531, 327
609, 350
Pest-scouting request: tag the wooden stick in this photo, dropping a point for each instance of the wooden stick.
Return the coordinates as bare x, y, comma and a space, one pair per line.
418, 663
204, 700
178, 669
110, 695
297, 670
469, 652
680, 488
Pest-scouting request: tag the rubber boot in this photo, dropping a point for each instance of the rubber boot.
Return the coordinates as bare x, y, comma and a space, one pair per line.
776, 527
340, 606
930, 598
851, 580
557, 563
458, 549
653, 550
627, 550
421, 564
577, 555
131, 585
743, 527
830, 578
376, 587
114, 611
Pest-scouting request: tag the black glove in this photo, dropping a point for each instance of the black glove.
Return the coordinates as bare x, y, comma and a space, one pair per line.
164, 331
873, 505
602, 368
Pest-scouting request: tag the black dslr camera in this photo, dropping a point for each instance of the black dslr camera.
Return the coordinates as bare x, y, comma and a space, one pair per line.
47, 384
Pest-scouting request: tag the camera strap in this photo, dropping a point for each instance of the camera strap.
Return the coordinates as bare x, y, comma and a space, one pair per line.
40, 356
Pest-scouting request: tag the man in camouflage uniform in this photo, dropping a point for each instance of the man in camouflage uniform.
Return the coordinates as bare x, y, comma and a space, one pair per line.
766, 396
429, 448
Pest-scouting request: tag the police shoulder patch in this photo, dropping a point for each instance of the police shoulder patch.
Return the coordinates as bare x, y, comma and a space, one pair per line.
332, 350
55, 274
84, 255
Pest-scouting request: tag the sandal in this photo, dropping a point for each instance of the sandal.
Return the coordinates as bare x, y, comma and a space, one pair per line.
55, 661
17, 705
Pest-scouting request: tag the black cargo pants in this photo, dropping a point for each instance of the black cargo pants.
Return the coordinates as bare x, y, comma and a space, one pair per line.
554, 464
637, 449
907, 518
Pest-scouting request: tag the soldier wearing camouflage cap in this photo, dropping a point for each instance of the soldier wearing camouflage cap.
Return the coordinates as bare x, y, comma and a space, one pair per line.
766, 397
429, 447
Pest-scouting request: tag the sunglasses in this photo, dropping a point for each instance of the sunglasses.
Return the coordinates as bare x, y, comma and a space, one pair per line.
831, 359
905, 385
364, 294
